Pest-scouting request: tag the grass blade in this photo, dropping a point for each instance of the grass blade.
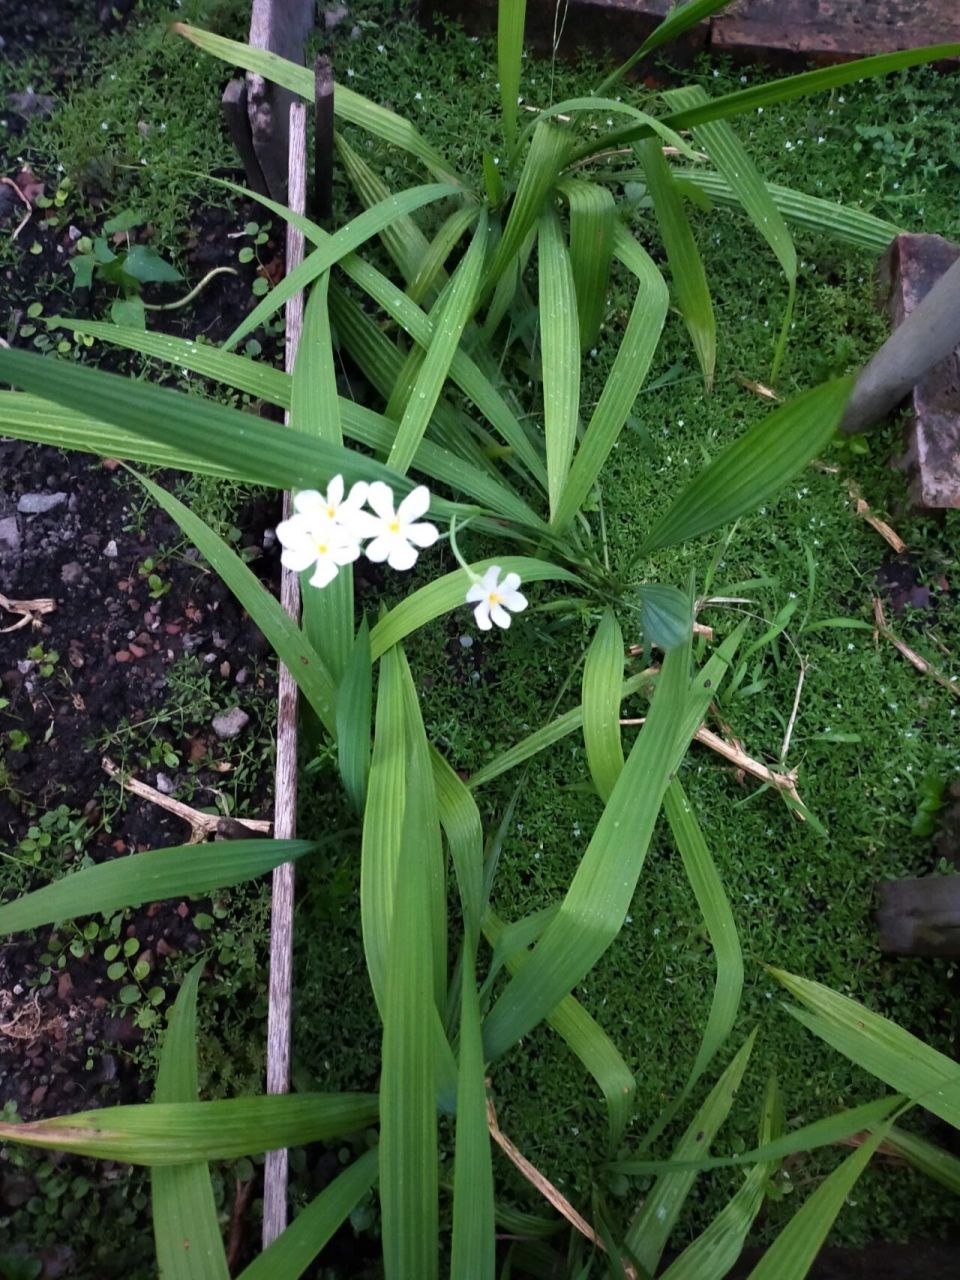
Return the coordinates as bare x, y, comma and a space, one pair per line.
186, 871
878, 1045
651, 1228
431, 268
176, 1133
794, 1251
680, 19
354, 707
293, 1251
595, 906
716, 1249
560, 355
625, 379
347, 104
510, 23
186, 1230
686, 266
449, 592
600, 698
722, 931
754, 467
327, 615
284, 636
473, 1254
593, 217
460, 820
843, 222
926, 1158
452, 311
371, 222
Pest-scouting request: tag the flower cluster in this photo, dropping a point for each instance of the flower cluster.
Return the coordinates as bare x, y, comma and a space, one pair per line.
327, 530
494, 598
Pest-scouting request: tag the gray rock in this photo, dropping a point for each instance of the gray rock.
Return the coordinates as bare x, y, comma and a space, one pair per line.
110, 550
36, 504
165, 784
71, 573
9, 537
229, 723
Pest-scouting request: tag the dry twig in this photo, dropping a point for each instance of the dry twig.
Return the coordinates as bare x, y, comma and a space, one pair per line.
202, 825
911, 655
9, 182
863, 510
30, 609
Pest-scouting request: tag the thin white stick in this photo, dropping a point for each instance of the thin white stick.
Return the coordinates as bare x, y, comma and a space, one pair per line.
285, 808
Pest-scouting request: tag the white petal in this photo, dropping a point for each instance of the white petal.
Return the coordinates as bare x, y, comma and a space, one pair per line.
298, 558
510, 584
379, 548
489, 579
308, 502
500, 616
482, 615
476, 592
422, 535
414, 505
403, 556
335, 491
358, 494
514, 601
359, 524
380, 498
294, 531
325, 574
345, 553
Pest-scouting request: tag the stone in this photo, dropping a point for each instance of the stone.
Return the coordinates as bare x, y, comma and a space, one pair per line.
229, 723
9, 537
37, 504
110, 550
71, 573
165, 784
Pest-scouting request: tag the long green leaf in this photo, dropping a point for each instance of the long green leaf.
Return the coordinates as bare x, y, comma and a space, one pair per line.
460, 819
474, 1246
449, 592
843, 222
327, 615
354, 705
347, 104
593, 217
926, 1158
686, 266
754, 467
782, 90
585, 1038
285, 637
293, 1251
177, 1133
431, 268
625, 379
820, 1133
367, 224
878, 1045
560, 354
680, 19
409, 1178
510, 23
794, 1251
651, 1228
453, 310
595, 906
721, 927
602, 683
186, 871
185, 1225
711, 1255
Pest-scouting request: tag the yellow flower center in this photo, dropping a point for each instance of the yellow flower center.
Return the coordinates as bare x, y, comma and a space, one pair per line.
321, 548
494, 598
394, 526
331, 512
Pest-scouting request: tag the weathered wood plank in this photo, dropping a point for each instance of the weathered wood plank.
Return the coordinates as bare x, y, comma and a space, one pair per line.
920, 917
282, 27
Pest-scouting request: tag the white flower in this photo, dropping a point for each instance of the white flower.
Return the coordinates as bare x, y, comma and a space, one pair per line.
320, 532
493, 598
396, 535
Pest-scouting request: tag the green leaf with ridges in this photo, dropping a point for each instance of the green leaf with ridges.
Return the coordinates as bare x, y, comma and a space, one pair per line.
651, 1228
680, 19
185, 871
449, 592
347, 105
593, 217
474, 1247
686, 266
354, 707
602, 682
511, 18
596, 903
755, 467
176, 1133
448, 319
431, 268
293, 1251
560, 355
186, 1229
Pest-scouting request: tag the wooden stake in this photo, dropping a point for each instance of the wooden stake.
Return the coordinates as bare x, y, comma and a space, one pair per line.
285, 808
